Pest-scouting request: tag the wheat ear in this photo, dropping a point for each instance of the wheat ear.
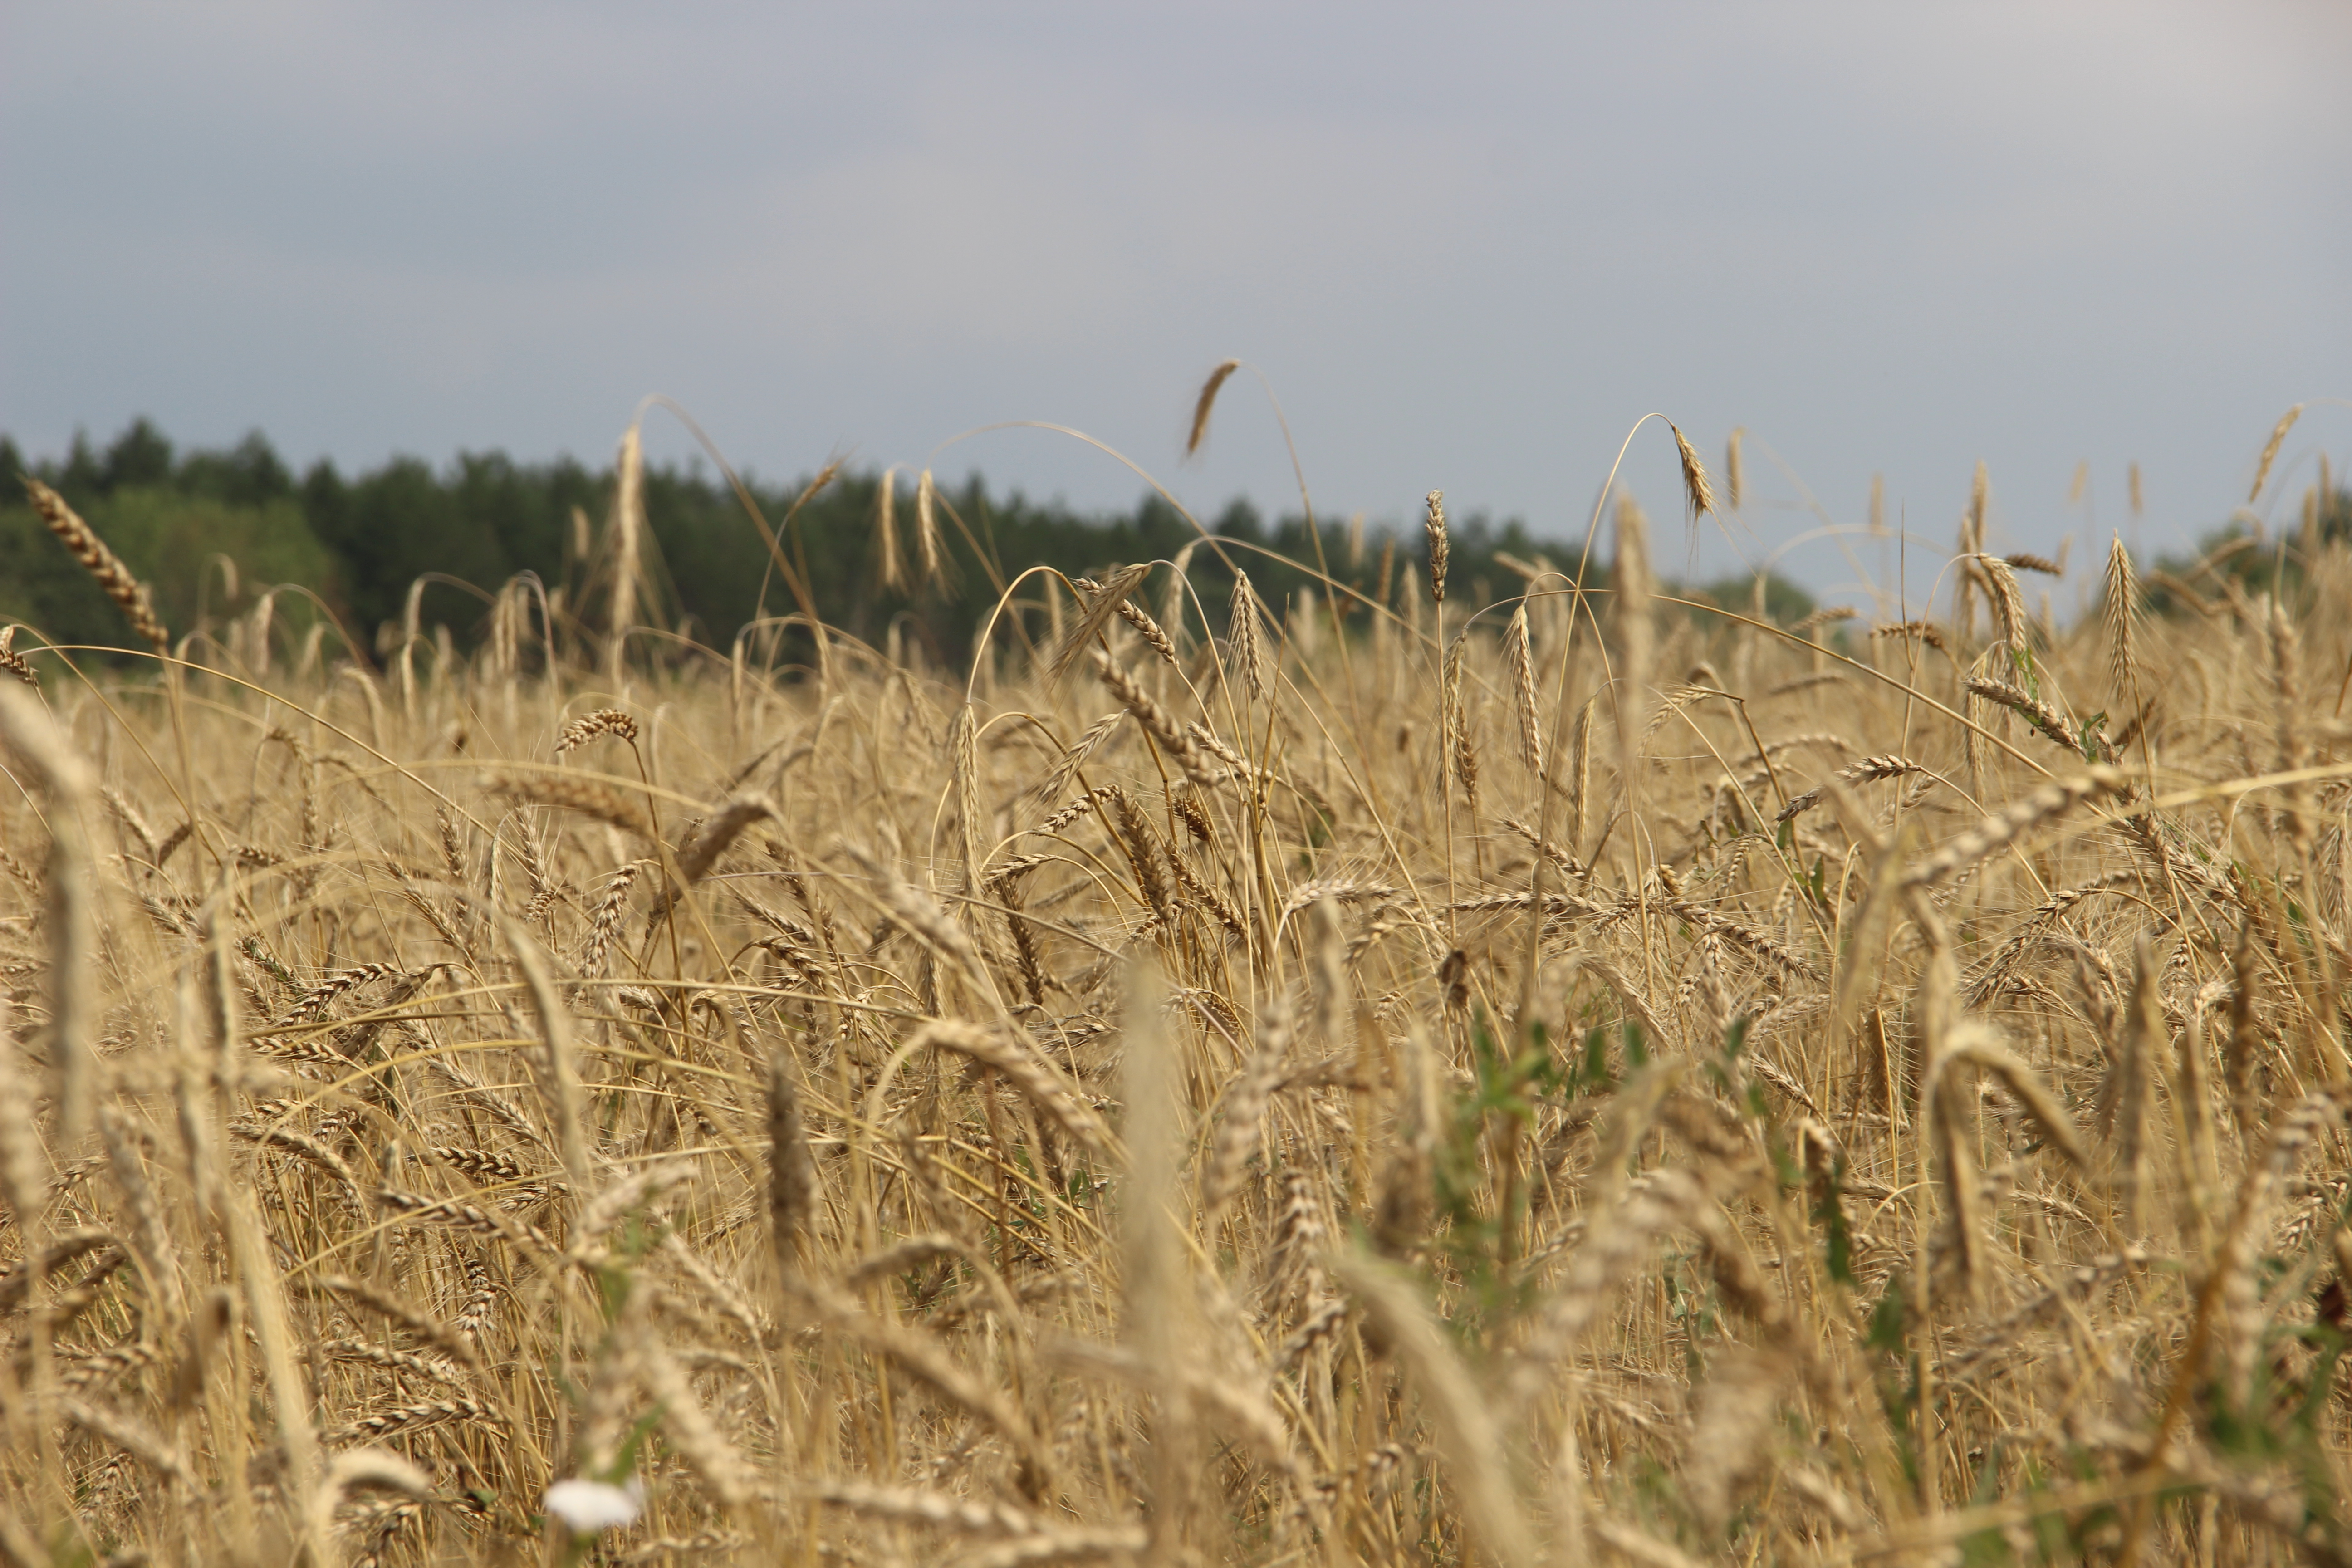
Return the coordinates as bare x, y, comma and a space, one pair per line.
1434, 521
2270, 453
1695, 489
1207, 400
128, 594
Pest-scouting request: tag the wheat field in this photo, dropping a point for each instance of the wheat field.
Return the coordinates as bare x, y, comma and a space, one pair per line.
1607, 1078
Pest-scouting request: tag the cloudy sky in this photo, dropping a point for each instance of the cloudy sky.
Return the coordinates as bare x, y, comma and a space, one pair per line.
1468, 247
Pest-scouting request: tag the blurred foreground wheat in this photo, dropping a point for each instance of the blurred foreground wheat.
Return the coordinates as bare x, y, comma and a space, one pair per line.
1243, 1084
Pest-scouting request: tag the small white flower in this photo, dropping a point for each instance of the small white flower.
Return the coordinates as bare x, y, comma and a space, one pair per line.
587, 1506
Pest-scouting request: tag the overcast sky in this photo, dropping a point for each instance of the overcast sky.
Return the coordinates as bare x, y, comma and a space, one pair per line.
1468, 247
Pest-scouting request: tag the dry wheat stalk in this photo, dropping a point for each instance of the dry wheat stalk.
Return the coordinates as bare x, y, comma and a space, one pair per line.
1870, 770
2005, 826
1439, 549
1102, 602
1238, 1131
14, 662
130, 595
1022, 1066
1697, 491
577, 792
1050, 788
68, 891
610, 721
1156, 720
1149, 630
929, 557
792, 1178
1636, 635
2270, 455
891, 559
2051, 724
1519, 652
1207, 401
954, 1280
1246, 638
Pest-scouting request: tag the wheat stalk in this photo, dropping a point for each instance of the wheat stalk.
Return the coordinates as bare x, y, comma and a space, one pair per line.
2261, 467
130, 595
1440, 550
1697, 491
1520, 656
1207, 401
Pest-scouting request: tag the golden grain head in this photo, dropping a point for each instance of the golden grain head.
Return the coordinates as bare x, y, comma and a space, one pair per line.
2261, 467
1207, 401
115, 579
1440, 547
1697, 491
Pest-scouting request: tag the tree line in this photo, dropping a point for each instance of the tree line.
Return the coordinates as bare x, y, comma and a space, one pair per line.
210, 529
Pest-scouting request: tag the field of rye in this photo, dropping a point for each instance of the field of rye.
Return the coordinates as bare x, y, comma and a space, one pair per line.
1345, 1081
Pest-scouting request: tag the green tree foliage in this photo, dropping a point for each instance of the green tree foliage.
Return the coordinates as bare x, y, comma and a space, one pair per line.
2255, 561
205, 533
362, 542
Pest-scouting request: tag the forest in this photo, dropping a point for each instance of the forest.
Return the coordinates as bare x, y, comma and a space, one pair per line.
212, 528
